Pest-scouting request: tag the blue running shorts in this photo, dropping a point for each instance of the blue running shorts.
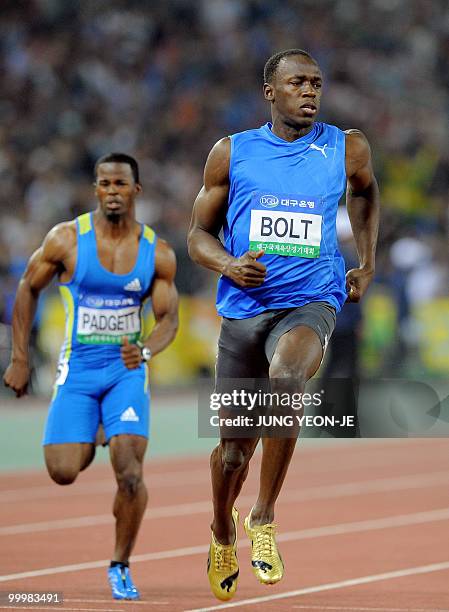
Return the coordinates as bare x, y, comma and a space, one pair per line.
84, 397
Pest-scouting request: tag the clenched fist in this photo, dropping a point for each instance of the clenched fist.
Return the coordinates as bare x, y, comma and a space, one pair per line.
131, 354
357, 282
17, 376
246, 271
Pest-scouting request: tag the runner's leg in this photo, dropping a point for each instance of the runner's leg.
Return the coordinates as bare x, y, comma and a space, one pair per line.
229, 465
69, 437
241, 364
65, 461
296, 359
127, 454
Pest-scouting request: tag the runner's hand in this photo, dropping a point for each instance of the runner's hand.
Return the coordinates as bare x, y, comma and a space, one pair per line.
17, 376
131, 355
357, 281
246, 271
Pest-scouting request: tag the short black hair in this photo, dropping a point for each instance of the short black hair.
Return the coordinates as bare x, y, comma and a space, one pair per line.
119, 158
272, 64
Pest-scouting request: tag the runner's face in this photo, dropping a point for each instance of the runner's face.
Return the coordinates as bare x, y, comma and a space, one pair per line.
295, 92
115, 189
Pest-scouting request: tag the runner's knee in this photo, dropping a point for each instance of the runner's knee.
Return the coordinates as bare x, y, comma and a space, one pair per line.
62, 475
282, 374
234, 457
129, 482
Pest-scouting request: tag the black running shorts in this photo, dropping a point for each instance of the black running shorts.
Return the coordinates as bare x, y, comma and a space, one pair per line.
246, 346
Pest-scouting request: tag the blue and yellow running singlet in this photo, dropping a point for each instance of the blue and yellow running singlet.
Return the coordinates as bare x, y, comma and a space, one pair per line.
102, 307
93, 385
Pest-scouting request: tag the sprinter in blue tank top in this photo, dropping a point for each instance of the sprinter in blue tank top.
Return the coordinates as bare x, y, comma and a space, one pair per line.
107, 265
274, 192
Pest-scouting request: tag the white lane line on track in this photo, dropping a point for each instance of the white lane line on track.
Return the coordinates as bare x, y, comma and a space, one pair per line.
135, 603
179, 478
57, 607
400, 520
365, 609
411, 571
170, 479
295, 607
415, 481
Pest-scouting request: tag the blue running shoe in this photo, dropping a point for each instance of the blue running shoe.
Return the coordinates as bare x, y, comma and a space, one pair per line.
121, 583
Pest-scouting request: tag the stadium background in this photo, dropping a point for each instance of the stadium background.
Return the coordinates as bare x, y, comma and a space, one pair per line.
163, 80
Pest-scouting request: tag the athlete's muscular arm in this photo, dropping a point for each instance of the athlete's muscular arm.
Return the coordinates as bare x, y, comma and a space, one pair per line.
43, 265
208, 215
362, 201
164, 300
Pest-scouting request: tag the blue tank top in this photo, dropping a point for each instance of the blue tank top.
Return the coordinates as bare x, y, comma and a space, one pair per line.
283, 198
102, 307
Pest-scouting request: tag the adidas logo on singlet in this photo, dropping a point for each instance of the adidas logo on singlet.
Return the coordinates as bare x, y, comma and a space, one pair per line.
133, 285
129, 415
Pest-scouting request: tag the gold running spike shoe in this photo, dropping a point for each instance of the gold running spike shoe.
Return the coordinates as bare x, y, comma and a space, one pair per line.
265, 558
222, 565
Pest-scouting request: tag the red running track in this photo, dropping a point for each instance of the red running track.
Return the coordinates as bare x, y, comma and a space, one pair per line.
363, 527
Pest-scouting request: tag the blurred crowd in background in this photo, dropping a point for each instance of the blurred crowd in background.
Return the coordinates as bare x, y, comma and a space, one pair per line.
163, 80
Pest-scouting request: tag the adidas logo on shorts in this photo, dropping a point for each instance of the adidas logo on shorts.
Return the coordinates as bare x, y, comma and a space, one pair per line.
133, 285
129, 415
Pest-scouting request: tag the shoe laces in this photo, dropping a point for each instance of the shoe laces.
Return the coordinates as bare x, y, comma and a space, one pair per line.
223, 558
263, 539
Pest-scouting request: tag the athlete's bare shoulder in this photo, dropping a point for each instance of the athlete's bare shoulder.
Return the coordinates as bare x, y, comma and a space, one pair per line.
358, 152
356, 138
63, 231
221, 149
60, 241
165, 260
216, 171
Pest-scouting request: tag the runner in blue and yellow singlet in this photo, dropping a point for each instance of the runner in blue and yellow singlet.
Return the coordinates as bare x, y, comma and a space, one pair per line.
107, 264
274, 193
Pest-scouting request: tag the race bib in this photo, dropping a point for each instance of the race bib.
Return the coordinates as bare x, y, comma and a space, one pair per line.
107, 320
285, 232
